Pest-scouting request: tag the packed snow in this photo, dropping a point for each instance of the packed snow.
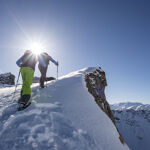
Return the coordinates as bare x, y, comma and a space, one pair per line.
62, 116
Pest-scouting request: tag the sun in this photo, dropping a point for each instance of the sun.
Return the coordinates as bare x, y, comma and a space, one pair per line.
36, 48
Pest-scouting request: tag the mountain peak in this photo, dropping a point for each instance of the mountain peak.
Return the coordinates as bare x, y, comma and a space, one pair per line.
130, 105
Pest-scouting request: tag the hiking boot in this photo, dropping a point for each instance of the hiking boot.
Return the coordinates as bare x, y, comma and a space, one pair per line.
42, 86
25, 98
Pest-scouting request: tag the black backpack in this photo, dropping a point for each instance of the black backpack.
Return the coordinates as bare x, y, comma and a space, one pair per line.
29, 60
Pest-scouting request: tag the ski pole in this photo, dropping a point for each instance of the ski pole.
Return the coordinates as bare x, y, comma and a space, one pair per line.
16, 85
46, 82
57, 72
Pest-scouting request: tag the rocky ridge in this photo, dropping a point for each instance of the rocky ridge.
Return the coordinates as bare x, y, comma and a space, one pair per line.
7, 78
96, 82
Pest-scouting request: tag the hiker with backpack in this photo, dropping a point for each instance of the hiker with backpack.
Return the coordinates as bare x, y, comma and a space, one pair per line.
45, 58
27, 65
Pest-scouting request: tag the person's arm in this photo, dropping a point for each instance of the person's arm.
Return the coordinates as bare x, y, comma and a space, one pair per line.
42, 63
19, 61
52, 60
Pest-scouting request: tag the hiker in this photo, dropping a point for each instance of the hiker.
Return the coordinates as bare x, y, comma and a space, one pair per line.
45, 58
27, 63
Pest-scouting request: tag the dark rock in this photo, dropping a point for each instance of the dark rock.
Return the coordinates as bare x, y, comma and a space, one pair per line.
7, 78
50, 78
37, 79
96, 82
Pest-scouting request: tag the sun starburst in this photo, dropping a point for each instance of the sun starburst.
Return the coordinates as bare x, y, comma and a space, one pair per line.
36, 48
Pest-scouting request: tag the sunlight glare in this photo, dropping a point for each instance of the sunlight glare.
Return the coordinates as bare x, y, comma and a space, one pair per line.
36, 48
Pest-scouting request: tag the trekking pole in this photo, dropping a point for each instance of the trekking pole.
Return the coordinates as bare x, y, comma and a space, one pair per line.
57, 72
46, 82
16, 85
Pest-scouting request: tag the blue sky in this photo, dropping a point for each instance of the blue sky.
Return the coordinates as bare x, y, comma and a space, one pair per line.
81, 33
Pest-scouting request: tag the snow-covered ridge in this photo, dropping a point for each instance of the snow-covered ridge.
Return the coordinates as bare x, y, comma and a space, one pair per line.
5, 74
133, 122
63, 116
130, 105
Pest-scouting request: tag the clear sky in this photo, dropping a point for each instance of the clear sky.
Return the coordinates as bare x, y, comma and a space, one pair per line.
113, 34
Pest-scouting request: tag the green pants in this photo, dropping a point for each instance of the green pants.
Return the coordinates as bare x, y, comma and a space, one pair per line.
27, 79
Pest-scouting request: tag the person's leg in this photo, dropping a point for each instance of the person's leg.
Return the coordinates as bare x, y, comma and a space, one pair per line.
43, 76
27, 78
42, 80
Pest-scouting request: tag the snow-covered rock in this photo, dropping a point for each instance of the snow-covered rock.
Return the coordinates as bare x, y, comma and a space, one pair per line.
63, 116
7, 78
133, 122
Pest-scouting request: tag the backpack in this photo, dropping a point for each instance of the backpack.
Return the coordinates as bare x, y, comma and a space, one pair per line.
29, 60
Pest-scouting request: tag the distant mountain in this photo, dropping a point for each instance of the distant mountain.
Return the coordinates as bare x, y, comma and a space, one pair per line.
133, 122
130, 105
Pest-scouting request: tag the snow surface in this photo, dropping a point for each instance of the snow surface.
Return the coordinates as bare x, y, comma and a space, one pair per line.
63, 116
133, 122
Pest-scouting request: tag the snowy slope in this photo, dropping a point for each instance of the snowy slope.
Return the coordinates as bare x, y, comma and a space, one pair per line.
63, 116
133, 122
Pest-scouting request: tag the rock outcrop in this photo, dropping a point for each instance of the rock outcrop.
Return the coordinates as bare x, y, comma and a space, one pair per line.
37, 79
96, 82
7, 78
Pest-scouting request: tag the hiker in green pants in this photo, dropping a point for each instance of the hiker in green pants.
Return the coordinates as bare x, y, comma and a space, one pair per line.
27, 63
27, 79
